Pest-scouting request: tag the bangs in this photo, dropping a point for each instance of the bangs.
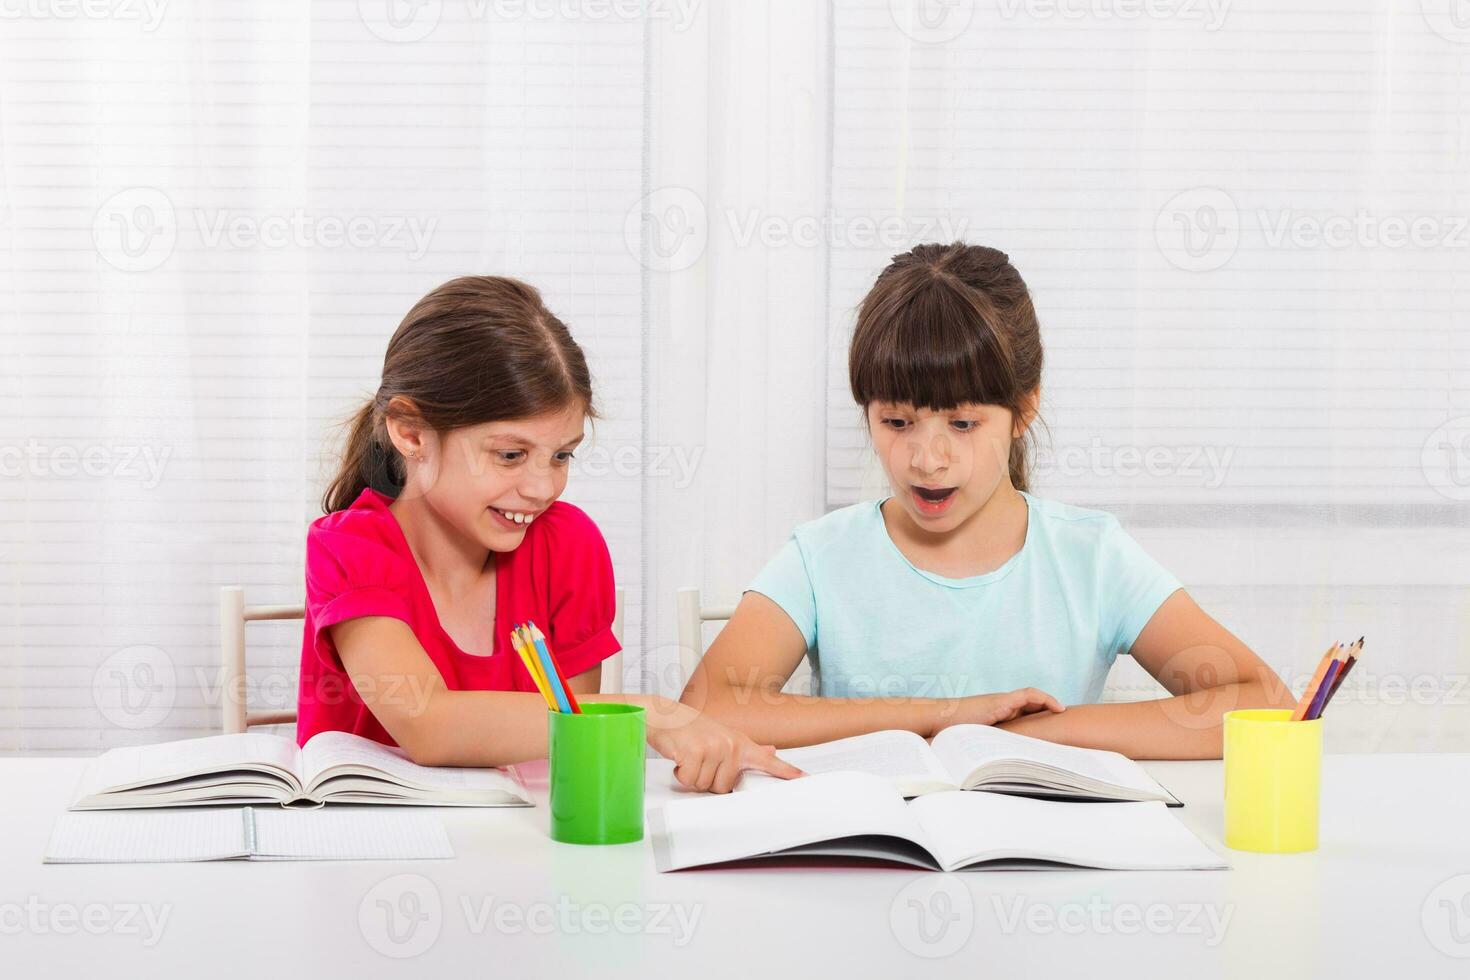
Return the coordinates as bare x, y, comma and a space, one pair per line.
929, 343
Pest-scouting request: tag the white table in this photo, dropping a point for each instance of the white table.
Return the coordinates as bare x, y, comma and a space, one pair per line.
1380, 898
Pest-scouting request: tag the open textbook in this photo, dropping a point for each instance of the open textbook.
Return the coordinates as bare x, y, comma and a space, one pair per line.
253, 767
247, 834
977, 757
863, 816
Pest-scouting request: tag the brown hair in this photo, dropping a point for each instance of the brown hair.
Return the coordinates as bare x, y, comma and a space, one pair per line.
946, 325
476, 349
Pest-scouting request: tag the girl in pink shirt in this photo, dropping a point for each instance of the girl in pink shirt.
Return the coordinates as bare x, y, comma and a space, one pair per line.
443, 529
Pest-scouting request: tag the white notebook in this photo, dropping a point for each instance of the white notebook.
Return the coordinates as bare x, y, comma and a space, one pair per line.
859, 815
246, 834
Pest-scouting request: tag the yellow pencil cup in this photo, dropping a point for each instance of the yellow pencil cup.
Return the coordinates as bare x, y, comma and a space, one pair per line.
1273, 781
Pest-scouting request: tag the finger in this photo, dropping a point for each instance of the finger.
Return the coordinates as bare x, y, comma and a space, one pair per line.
764, 759
687, 771
1040, 701
707, 770
726, 776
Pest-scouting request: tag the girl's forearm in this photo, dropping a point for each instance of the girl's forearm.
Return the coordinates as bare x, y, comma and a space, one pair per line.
498, 728
786, 720
477, 728
1188, 726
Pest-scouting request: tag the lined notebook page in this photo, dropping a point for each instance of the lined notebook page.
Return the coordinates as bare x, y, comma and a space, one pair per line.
256, 833
348, 833
87, 837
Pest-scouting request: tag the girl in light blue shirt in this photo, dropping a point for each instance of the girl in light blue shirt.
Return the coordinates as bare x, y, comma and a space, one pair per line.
961, 597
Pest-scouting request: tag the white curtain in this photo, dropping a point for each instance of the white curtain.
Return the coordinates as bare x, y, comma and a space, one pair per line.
1247, 232
211, 225
1243, 227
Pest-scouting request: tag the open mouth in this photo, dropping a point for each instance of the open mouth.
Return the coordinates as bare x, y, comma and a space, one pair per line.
932, 500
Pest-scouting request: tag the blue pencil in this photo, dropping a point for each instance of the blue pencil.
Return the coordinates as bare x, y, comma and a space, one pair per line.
553, 680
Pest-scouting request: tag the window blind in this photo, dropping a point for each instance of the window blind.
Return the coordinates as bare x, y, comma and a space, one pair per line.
211, 226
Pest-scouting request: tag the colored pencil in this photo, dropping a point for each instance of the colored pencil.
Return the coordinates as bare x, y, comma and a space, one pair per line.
1305, 703
548, 668
1352, 659
1319, 700
533, 662
545, 645
555, 687
530, 664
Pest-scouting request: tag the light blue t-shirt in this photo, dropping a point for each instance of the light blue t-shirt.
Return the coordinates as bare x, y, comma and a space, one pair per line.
1053, 617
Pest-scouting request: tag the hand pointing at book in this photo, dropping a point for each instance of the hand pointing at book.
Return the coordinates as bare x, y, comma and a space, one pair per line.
708, 756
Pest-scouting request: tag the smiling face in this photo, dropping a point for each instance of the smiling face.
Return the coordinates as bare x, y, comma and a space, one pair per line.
943, 466
493, 480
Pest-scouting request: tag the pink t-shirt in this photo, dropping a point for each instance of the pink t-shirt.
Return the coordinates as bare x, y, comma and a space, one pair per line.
358, 563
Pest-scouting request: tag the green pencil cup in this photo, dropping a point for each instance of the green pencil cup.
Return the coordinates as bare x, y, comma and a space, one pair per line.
596, 774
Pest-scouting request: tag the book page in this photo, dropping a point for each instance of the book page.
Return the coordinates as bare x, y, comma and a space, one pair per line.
715, 829
328, 754
903, 758
964, 748
968, 827
112, 836
140, 765
348, 833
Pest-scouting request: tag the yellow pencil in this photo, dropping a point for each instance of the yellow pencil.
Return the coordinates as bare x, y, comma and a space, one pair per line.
528, 650
529, 659
529, 643
521, 651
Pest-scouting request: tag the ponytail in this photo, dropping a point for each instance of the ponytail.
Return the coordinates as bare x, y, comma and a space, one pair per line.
368, 460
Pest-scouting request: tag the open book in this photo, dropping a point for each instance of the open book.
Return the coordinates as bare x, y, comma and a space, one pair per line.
253, 767
247, 834
978, 757
859, 815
